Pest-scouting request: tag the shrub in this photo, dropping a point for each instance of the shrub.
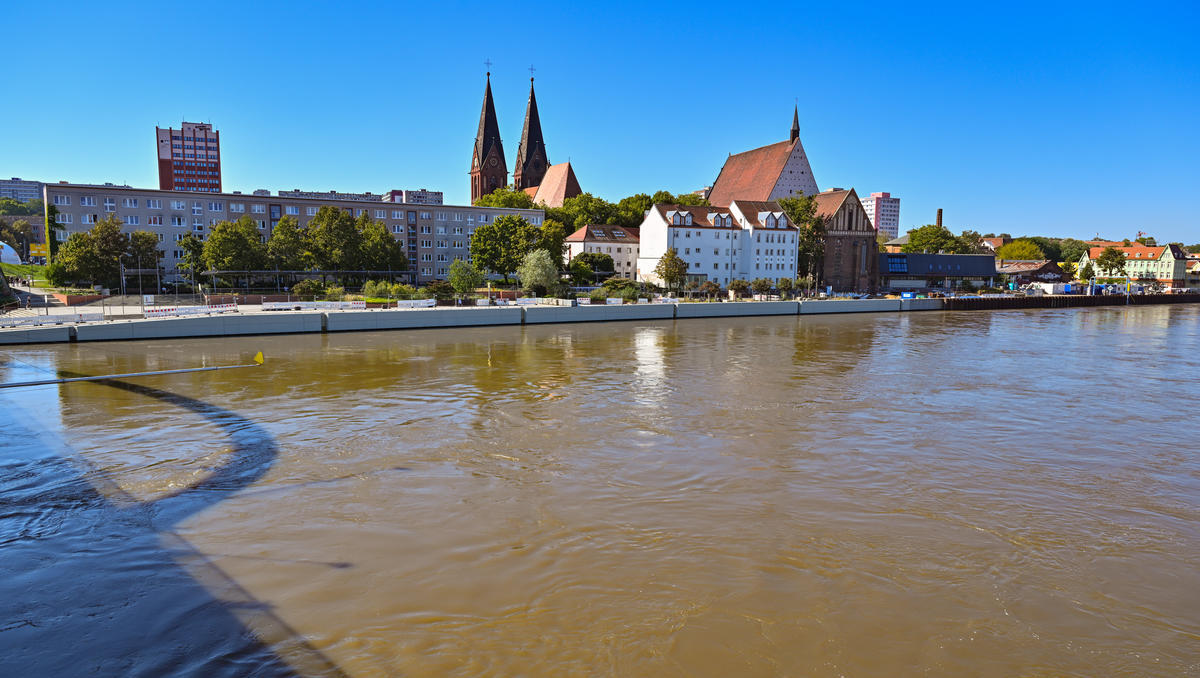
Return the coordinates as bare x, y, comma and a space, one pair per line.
402, 291
308, 287
376, 289
441, 289
335, 294
598, 295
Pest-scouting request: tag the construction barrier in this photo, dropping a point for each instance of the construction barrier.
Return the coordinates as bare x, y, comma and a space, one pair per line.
172, 311
315, 305
54, 319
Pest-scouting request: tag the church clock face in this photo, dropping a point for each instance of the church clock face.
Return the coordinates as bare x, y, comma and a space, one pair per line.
493, 162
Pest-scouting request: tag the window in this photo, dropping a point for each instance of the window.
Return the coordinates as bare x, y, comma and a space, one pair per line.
130, 219
153, 204
441, 216
216, 207
261, 224
129, 202
458, 216
424, 215
197, 224
426, 243
397, 214
87, 201
258, 209
237, 207
311, 211
618, 233
412, 217
160, 237
292, 210
380, 214
62, 200
359, 212
441, 244
178, 205
87, 218
687, 250
426, 230
178, 221
155, 220
397, 228
63, 218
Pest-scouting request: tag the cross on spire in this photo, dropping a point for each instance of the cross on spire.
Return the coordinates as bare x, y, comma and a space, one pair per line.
531, 70
488, 62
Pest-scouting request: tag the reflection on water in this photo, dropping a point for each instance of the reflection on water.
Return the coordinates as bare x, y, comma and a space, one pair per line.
950, 493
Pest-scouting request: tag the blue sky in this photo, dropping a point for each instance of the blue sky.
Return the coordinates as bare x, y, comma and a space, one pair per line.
1027, 118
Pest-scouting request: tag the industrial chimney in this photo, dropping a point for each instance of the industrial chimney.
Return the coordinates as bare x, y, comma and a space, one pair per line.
939, 219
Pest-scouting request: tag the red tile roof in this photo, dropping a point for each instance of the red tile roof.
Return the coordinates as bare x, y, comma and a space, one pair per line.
605, 233
751, 175
700, 215
751, 209
558, 185
829, 202
1132, 252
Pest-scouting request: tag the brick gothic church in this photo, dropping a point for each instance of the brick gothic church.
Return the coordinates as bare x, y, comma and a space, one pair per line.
545, 183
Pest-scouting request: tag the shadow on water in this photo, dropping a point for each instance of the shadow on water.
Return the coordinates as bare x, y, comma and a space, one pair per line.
93, 582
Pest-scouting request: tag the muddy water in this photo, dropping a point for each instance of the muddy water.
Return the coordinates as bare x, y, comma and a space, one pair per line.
988, 494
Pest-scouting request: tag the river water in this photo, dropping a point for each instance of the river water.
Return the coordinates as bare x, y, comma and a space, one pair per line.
989, 494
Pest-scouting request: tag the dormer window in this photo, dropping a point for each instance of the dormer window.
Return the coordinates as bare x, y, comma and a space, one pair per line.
687, 219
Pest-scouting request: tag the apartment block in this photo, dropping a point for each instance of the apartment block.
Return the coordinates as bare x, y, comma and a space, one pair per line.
433, 235
418, 197
20, 189
748, 239
189, 158
884, 212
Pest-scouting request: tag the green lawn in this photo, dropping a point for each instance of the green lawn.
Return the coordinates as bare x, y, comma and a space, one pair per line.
25, 270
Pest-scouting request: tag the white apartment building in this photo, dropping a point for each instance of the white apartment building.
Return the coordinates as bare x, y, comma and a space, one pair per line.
21, 190
884, 212
433, 235
747, 240
616, 241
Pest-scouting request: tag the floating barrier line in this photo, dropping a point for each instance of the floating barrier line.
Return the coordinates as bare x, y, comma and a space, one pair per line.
258, 361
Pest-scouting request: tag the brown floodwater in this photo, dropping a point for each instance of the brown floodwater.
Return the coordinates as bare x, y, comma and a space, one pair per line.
988, 494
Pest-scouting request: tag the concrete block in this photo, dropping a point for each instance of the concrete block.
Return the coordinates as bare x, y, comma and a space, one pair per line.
579, 314
849, 306
289, 322
344, 321
747, 308
51, 334
922, 304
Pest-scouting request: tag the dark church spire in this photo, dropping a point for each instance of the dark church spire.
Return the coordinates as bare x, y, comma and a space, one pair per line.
488, 168
532, 160
796, 123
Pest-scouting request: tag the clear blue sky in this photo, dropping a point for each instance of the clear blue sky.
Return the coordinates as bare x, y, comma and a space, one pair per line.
1029, 118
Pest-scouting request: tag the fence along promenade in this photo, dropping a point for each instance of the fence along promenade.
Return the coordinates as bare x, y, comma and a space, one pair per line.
343, 318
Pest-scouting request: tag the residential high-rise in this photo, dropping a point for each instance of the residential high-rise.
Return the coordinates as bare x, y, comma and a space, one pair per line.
20, 189
489, 171
884, 211
189, 158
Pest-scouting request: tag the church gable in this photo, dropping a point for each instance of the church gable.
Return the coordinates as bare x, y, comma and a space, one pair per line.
796, 178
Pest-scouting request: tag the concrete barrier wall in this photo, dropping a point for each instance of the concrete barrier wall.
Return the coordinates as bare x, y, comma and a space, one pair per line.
921, 305
579, 314
36, 335
211, 326
849, 306
737, 309
345, 321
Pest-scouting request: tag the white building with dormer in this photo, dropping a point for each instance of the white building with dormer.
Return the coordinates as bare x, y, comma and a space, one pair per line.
744, 241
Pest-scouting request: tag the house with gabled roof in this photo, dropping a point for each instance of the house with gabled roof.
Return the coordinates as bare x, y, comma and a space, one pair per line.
1166, 265
749, 239
618, 242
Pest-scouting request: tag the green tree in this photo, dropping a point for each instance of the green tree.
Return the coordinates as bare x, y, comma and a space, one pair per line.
235, 246
1111, 262
333, 239
1022, 248
597, 261
785, 287
671, 269
379, 250
1071, 249
143, 253
581, 274
538, 273
1087, 272
1050, 247
739, 287
810, 244
508, 196
464, 277
761, 285
193, 256
17, 235
710, 289
932, 238
583, 210
286, 248
552, 237
631, 211
111, 247
686, 199
78, 262
970, 242
501, 246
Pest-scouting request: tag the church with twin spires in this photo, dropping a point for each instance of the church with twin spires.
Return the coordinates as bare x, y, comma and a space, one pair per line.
547, 184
